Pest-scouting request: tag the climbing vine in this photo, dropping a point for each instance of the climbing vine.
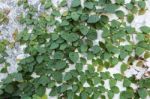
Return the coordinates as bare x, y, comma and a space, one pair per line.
65, 51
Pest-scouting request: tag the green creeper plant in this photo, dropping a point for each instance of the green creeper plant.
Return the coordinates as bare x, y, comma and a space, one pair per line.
71, 45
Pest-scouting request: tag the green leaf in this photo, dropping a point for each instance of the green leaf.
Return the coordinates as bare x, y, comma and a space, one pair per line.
142, 93
115, 89
110, 8
75, 16
118, 76
54, 46
130, 18
123, 68
54, 36
123, 54
39, 59
40, 91
106, 32
83, 48
48, 4
84, 29
95, 49
120, 1
43, 80
63, 88
88, 5
140, 37
57, 76
79, 67
126, 82
84, 95
60, 65
110, 95
105, 75
141, 4
139, 51
58, 55
92, 34
18, 76
93, 19
67, 76
53, 92
145, 29
70, 37
75, 3
73, 56
128, 94
129, 6
112, 82
2, 47
51, 84
120, 14
9, 89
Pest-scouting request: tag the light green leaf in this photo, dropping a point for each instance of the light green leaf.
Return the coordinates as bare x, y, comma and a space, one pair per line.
73, 56
93, 19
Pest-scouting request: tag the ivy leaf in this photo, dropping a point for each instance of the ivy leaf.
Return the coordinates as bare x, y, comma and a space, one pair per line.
110, 95
75, 16
129, 6
60, 65
54, 46
139, 51
130, 18
88, 5
126, 82
73, 56
115, 89
127, 94
75, 3
54, 36
57, 76
79, 67
112, 82
141, 4
18, 76
120, 1
93, 19
110, 8
124, 67
142, 93
48, 4
118, 76
39, 58
120, 14
58, 55
84, 29
43, 80
95, 49
51, 84
40, 91
92, 34
123, 54
83, 48
140, 37
67, 76
106, 32
63, 88
70, 37
9, 89
53, 92
84, 95
145, 29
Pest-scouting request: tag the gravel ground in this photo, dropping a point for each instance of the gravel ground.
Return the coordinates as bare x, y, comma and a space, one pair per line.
15, 52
